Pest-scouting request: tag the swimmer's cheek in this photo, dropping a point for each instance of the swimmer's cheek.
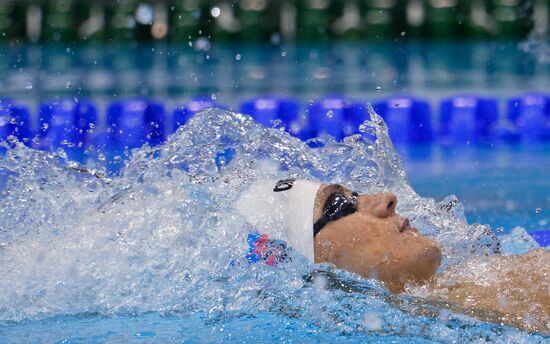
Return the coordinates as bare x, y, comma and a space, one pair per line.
344, 256
411, 264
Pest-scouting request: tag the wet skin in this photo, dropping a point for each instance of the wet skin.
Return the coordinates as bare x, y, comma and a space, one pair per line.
375, 242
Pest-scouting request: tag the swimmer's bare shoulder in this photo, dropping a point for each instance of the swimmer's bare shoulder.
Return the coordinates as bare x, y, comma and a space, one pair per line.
516, 288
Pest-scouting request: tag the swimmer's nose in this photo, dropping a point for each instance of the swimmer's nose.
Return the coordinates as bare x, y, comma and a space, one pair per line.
386, 205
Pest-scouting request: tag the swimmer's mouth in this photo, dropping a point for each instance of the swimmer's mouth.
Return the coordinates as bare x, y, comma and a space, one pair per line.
406, 226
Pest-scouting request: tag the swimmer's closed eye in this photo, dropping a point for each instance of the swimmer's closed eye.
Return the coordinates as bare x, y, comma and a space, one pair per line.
336, 206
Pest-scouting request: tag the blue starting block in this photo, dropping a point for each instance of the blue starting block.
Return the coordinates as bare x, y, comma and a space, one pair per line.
468, 119
409, 119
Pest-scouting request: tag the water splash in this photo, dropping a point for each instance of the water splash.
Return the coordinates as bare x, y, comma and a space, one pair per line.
161, 236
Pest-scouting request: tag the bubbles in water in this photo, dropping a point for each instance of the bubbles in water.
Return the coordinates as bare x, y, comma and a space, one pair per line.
320, 281
372, 321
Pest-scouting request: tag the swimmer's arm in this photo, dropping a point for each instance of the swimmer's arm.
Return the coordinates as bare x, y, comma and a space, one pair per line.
420, 306
514, 288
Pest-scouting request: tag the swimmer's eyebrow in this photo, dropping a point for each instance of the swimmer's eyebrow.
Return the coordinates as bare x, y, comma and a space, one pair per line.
340, 188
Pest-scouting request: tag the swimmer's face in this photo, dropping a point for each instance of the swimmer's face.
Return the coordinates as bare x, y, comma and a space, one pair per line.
374, 241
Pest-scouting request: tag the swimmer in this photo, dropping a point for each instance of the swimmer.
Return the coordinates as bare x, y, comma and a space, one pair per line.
363, 234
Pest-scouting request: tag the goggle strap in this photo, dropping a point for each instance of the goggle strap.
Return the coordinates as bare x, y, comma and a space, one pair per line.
317, 226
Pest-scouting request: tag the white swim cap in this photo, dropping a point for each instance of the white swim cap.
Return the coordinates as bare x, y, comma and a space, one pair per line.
282, 210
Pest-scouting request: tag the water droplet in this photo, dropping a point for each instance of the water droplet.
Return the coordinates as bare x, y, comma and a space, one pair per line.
275, 39
68, 84
238, 57
92, 185
91, 125
45, 126
202, 44
276, 122
12, 139
403, 33
538, 210
145, 14
363, 127
330, 113
378, 88
215, 12
61, 153
29, 86
283, 54
101, 157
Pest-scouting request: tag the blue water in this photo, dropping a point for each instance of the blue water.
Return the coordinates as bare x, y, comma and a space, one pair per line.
145, 256
172, 73
500, 185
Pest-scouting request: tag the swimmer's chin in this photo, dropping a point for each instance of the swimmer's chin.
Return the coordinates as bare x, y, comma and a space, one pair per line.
418, 271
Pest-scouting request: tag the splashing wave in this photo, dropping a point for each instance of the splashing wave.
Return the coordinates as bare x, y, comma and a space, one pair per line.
161, 236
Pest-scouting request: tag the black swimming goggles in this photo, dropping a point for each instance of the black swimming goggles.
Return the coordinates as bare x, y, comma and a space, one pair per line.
336, 206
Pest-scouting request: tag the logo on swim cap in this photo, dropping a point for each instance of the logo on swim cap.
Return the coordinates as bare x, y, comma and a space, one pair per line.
284, 185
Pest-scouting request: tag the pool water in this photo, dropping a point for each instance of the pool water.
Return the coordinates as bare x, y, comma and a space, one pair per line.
500, 185
145, 256
226, 72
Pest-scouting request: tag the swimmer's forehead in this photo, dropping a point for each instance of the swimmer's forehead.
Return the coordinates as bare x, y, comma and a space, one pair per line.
331, 188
